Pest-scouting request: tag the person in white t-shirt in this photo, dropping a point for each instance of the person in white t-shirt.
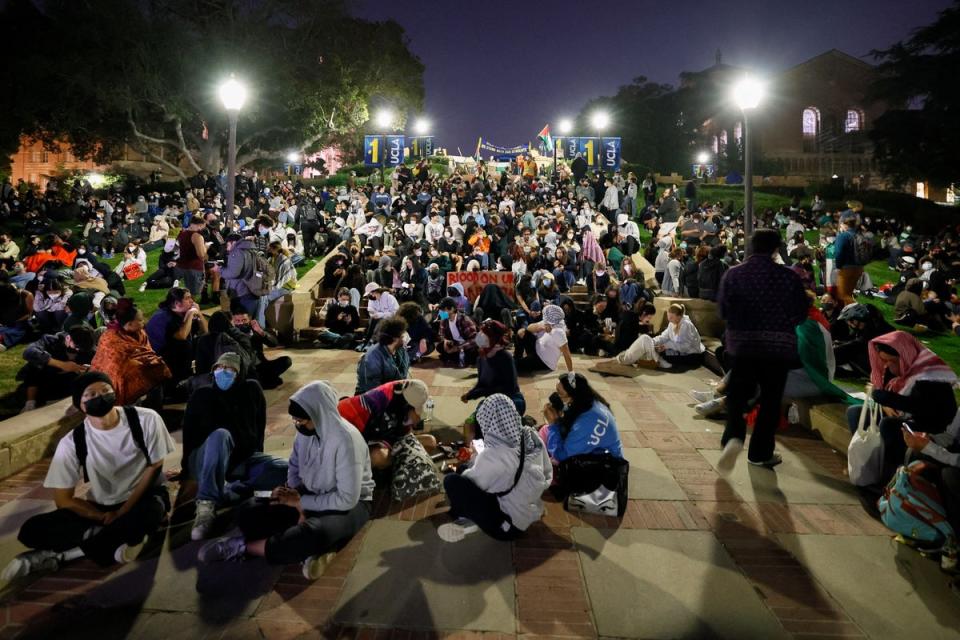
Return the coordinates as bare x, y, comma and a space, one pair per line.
544, 343
127, 498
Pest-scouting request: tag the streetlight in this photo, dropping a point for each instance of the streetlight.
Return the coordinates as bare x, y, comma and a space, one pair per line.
421, 126
385, 119
564, 127
233, 94
599, 120
703, 157
293, 157
747, 94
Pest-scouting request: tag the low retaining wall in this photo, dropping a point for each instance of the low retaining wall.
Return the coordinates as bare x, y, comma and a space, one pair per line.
33, 436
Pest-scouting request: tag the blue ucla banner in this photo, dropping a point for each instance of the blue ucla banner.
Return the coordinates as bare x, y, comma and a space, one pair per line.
393, 156
610, 154
567, 147
588, 148
373, 151
421, 146
383, 151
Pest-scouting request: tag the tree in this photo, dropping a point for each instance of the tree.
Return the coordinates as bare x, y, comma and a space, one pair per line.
917, 137
101, 73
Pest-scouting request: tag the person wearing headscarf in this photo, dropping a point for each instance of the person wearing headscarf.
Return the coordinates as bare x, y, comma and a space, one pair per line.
592, 253
124, 353
500, 493
496, 369
911, 384
855, 326
326, 499
544, 343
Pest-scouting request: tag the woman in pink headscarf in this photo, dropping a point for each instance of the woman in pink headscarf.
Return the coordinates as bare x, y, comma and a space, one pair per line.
911, 384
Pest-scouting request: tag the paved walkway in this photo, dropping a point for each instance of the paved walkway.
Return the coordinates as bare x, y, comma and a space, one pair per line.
757, 555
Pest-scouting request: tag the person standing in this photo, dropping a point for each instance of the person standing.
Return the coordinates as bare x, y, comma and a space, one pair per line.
848, 268
762, 303
193, 254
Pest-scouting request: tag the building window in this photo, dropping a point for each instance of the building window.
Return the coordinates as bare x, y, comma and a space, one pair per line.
716, 144
45, 156
854, 121
811, 122
921, 190
738, 132
34, 156
723, 142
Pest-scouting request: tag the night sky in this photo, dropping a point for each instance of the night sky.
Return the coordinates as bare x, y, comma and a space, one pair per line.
503, 69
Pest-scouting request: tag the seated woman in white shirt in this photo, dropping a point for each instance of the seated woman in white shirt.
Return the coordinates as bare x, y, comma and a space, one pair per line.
132, 254
127, 500
544, 343
677, 345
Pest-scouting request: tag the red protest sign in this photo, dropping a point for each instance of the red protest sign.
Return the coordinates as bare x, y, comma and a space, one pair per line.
474, 281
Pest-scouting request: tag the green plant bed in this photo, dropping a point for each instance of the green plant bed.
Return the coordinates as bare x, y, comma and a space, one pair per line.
11, 360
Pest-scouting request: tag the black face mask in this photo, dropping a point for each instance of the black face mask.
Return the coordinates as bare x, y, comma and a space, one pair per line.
101, 405
302, 430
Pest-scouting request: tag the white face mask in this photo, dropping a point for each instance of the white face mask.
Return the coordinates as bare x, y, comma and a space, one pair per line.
482, 341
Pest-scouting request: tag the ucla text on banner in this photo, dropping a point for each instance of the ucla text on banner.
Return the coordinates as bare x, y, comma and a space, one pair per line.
610, 154
421, 146
504, 151
474, 281
393, 151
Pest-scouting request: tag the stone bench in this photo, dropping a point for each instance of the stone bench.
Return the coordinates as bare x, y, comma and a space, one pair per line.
830, 421
33, 436
705, 317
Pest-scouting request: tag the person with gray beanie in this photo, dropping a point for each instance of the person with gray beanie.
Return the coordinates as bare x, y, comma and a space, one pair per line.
223, 430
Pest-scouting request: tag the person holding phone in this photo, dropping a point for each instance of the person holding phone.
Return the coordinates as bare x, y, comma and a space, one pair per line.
326, 500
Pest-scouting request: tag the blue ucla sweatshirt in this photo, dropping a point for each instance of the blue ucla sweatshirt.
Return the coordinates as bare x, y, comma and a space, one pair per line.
593, 430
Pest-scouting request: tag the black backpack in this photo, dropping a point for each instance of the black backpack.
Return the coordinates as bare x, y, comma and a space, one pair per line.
308, 212
136, 430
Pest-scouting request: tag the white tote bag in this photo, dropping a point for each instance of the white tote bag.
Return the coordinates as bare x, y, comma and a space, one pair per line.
865, 453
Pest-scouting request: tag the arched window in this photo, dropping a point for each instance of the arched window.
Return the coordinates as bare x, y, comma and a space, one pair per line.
723, 142
811, 122
854, 121
738, 132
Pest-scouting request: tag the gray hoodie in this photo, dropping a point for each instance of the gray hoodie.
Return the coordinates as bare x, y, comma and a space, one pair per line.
241, 264
495, 468
333, 466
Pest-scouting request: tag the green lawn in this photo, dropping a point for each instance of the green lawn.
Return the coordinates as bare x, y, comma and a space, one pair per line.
11, 360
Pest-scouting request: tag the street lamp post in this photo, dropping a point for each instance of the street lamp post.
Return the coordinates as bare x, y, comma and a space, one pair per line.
600, 120
564, 127
233, 94
747, 93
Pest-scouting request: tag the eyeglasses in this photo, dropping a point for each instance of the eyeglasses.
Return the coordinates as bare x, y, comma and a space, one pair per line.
300, 422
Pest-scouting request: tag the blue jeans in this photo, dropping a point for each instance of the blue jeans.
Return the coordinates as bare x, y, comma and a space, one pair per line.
208, 465
265, 302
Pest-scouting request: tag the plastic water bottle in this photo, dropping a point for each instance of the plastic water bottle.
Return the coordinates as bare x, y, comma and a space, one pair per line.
143, 287
463, 359
427, 410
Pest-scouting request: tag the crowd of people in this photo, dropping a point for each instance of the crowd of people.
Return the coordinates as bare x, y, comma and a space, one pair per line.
585, 281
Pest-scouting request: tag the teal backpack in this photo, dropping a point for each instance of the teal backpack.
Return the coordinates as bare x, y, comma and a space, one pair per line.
911, 506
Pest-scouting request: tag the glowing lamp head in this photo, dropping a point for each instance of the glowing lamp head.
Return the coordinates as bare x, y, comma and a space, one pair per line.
748, 93
421, 126
293, 156
384, 119
703, 157
565, 126
600, 120
233, 94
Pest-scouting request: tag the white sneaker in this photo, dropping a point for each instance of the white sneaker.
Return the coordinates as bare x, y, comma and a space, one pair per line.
774, 460
30, 562
709, 407
793, 414
222, 549
457, 530
315, 566
128, 552
203, 521
729, 456
29, 405
703, 396
663, 364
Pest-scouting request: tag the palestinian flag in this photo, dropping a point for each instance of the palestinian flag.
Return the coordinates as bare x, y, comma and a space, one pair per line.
546, 139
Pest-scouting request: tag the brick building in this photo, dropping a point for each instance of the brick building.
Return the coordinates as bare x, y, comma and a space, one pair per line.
812, 124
